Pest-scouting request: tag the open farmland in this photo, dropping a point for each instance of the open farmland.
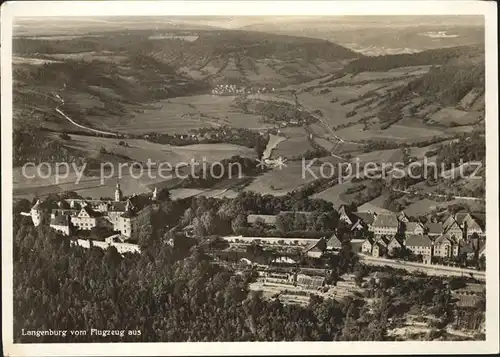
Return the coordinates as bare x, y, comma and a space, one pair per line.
335, 193
182, 114
295, 144
279, 182
141, 150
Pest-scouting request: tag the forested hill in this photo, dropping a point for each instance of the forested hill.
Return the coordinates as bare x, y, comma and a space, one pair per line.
430, 57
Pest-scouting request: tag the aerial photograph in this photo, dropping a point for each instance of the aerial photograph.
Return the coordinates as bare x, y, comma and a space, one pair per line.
248, 178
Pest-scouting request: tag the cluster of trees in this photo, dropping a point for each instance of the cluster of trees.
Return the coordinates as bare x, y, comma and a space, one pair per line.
282, 112
466, 149
386, 62
32, 145
225, 134
166, 293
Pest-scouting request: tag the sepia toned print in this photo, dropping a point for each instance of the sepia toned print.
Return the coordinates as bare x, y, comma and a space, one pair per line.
230, 178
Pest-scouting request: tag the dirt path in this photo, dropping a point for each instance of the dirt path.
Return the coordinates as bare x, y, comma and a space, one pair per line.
75, 123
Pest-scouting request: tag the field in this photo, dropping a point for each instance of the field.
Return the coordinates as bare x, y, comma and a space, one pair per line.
335, 193
132, 181
182, 114
296, 143
279, 182
141, 150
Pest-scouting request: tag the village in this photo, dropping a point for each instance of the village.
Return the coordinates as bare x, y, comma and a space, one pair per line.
292, 268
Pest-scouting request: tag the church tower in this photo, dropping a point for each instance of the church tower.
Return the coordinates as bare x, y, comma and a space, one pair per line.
118, 193
155, 194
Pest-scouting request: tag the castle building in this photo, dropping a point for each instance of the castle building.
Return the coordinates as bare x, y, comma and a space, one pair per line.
83, 214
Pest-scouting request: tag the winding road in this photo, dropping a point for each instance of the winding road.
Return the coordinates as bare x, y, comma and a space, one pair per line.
58, 110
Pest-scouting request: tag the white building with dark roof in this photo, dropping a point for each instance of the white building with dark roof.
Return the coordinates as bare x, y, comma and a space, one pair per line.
385, 224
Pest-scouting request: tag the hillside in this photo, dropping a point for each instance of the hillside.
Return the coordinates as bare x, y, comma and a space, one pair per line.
108, 78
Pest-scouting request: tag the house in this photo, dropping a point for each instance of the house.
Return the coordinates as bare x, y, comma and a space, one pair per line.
358, 228
316, 249
333, 244
469, 223
403, 217
266, 219
393, 244
473, 224
419, 244
380, 247
385, 224
453, 229
366, 217
446, 247
433, 229
367, 246
346, 215
414, 228
468, 249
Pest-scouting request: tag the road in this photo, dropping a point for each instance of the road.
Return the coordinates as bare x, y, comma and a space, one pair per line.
428, 269
75, 123
438, 195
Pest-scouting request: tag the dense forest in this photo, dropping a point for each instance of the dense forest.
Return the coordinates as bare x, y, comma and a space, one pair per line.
466, 149
176, 293
429, 57
168, 294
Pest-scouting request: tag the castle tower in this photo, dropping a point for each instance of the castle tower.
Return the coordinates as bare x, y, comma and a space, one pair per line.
36, 213
118, 193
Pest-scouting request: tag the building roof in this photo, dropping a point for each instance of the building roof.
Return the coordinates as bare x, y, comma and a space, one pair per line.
366, 217
394, 239
266, 218
293, 212
453, 225
412, 226
382, 241
91, 212
434, 227
61, 220
37, 205
357, 222
369, 240
460, 217
480, 219
443, 238
386, 220
129, 214
334, 242
417, 240
315, 246
402, 215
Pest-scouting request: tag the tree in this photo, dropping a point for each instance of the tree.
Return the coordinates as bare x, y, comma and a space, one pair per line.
164, 195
